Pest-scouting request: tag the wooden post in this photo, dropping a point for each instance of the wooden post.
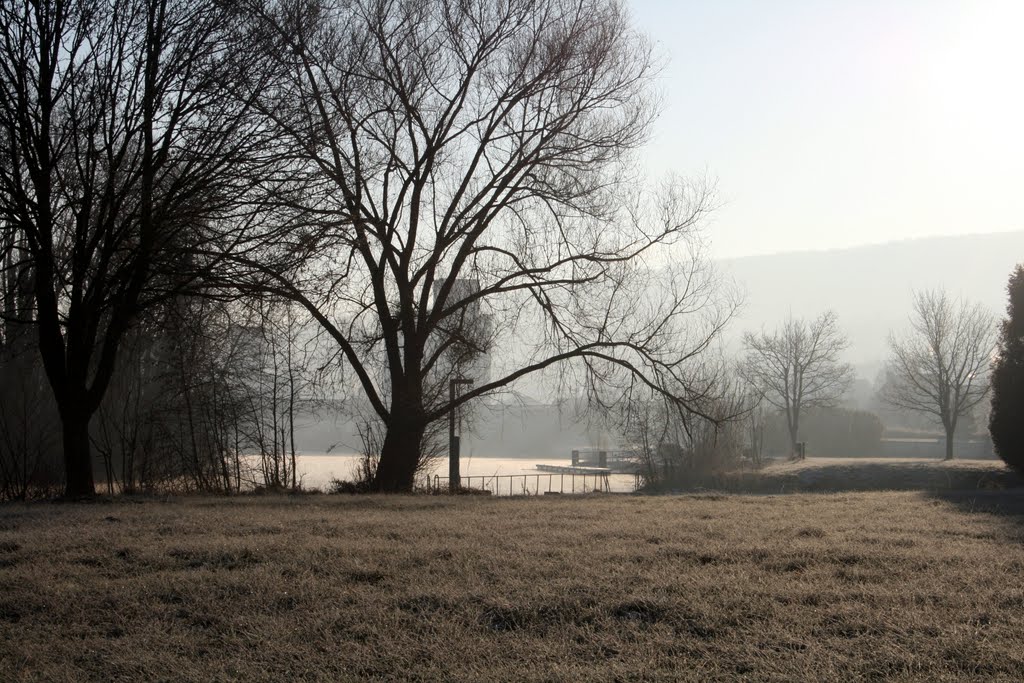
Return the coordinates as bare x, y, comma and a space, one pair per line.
454, 476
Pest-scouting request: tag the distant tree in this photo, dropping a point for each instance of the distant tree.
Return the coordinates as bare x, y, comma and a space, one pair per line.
755, 421
465, 159
797, 367
939, 366
1006, 422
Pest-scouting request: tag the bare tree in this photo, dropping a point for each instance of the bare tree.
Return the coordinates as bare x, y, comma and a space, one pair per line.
280, 381
755, 422
939, 367
120, 149
465, 159
798, 366
208, 396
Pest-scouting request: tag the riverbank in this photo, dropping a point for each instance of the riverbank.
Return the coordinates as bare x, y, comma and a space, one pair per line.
870, 474
800, 587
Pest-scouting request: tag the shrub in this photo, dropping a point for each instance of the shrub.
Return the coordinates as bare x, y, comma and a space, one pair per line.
1006, 423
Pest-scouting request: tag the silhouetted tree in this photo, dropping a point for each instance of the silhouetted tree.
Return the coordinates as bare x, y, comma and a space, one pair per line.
466, 159
122, 149
1006, 422
797, 367
939, 367
27, 462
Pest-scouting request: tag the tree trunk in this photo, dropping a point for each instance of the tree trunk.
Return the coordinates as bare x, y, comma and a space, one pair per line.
77, 454
949, 444
399, 455
794, 433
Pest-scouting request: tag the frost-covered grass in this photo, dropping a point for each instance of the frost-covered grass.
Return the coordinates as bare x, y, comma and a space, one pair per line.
798, 587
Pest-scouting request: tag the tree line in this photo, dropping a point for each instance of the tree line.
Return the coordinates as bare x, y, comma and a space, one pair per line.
177, 172
217, 214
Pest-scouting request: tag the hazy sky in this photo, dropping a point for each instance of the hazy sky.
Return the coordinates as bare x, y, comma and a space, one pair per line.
832, 123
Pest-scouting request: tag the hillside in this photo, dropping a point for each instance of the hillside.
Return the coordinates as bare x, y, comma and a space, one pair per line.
870, 287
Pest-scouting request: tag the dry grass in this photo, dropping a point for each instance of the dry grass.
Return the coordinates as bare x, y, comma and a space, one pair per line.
802, 587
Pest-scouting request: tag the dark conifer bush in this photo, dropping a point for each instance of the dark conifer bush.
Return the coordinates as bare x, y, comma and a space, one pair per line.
1006, 424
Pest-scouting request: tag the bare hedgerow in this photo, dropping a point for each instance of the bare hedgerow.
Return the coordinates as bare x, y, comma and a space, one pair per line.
675, 450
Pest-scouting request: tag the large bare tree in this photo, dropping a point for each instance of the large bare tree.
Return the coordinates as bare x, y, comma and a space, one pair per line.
798, 366
474, 160
120, 149
939, 367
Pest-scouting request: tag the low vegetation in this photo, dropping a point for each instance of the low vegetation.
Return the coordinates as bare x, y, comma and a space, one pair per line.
867, 474
832, 475
802, 587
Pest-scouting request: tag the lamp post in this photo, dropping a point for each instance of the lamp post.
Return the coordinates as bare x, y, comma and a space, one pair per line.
454, 478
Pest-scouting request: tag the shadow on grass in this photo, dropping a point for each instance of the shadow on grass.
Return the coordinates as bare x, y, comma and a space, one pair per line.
847, 475
1006, 503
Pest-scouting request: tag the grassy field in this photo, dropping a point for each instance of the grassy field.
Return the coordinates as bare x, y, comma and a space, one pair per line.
608, 588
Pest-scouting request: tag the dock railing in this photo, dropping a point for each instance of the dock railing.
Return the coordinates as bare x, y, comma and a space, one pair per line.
538, 484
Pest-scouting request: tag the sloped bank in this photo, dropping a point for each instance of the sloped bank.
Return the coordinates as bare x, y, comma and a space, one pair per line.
864, 474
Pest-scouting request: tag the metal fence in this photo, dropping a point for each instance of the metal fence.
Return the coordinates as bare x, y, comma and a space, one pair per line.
525, 484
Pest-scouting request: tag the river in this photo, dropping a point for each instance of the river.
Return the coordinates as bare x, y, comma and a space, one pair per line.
499, 475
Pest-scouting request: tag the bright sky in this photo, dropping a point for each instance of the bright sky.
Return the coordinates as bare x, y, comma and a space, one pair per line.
830, 124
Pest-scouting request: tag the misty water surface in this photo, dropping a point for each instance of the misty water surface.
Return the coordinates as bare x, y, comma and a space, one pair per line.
317, 471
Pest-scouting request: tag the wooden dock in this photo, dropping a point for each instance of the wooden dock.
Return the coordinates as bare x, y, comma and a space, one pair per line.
573, 469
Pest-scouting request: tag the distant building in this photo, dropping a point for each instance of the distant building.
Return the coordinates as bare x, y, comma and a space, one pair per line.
470, 356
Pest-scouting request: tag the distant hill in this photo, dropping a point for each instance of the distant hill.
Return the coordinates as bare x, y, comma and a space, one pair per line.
870, 287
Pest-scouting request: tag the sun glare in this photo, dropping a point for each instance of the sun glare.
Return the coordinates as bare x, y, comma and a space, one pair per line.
970, 81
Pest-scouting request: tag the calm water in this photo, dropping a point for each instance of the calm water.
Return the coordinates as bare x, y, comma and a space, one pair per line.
317, 471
